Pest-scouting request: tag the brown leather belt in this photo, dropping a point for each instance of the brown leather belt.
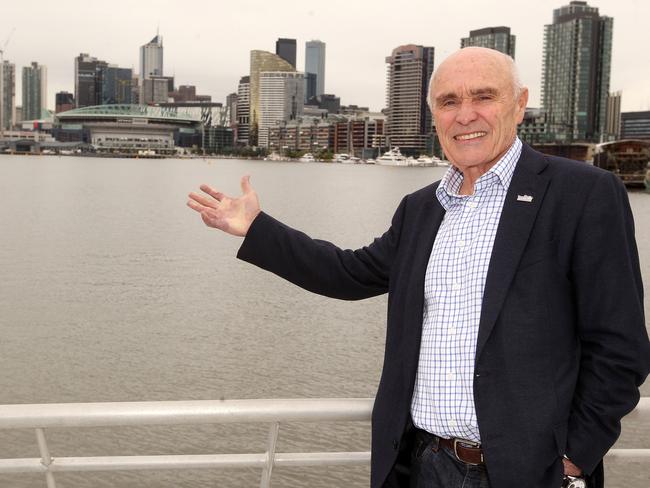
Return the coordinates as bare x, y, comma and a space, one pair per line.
466, 451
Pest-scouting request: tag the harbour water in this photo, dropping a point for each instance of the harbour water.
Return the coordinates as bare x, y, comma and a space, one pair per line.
113, 290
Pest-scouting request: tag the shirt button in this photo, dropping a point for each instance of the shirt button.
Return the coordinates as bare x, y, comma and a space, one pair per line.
452, 330
460, 243
456, 286
451, 375
472, 205
452, 423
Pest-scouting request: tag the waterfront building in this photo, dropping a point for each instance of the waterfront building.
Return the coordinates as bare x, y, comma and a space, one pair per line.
128, 129
314, 69
409, 118
211, 114
286, 49
281, 99
88, 75
635, 125
261, 61
613, 123
243, 110
151, 58
19, 116
498, 38
358, 136
34, 91
216, 138
63, 101
7, 95
576, 71
306, 134
135, 89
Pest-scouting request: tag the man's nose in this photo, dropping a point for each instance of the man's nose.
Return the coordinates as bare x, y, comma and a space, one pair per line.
466, 112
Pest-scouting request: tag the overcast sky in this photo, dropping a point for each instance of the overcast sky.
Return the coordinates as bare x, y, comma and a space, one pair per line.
207, 43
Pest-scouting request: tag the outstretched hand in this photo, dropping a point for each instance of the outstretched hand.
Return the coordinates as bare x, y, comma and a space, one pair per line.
231, 215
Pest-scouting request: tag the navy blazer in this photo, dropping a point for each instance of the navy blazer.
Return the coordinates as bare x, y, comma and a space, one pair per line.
562, 345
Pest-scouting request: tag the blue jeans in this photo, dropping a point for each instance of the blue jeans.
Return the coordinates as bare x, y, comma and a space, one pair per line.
434, 466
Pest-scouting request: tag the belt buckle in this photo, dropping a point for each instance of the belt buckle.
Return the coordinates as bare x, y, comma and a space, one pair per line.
471, 444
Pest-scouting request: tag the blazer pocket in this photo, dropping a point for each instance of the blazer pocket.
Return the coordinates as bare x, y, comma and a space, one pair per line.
537, 253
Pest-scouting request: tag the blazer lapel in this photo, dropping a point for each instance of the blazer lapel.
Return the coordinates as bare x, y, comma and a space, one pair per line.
523, 200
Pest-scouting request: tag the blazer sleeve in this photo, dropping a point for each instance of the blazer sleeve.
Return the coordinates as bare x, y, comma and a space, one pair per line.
320, 266
615, 353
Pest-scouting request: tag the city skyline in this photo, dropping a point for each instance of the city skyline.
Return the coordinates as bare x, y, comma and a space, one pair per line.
212, 52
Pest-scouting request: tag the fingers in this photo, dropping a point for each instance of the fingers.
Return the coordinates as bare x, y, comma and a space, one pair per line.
246, 184
217, 195
203, 200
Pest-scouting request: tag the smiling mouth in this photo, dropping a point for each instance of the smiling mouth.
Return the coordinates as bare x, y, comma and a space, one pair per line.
470, 136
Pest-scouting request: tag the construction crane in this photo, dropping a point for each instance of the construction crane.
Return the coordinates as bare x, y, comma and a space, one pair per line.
4, 46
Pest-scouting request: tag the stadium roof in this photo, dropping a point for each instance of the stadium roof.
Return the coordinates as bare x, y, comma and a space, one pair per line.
125, 111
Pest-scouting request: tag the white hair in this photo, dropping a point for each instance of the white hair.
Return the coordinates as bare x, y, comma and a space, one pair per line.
517, 85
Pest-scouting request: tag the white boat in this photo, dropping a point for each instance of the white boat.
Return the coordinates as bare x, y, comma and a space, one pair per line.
307, 158
342, 158
392, 157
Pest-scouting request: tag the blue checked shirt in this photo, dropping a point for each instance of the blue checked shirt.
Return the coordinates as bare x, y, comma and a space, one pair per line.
443, 399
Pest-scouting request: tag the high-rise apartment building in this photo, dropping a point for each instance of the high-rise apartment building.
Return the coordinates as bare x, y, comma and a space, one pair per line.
314, 69
409, 118
281, 99
261, 61
576, 70
88, 84
151, 58
498, 38
7, 95
243, 110
34, 91
286, 49
63, 101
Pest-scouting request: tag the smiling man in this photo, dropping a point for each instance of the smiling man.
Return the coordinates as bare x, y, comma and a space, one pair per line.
515, 338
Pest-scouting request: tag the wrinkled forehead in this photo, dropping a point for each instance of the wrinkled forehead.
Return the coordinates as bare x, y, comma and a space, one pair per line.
463, 76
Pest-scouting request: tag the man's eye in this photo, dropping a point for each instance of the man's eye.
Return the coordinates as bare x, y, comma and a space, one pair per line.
448, 103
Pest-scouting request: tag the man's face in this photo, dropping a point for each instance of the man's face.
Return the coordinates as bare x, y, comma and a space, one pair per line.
475, 109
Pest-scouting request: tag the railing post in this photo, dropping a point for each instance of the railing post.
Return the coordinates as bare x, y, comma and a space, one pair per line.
270, 456
46, 459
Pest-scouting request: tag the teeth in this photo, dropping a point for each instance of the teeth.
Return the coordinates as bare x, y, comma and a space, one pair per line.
473, 135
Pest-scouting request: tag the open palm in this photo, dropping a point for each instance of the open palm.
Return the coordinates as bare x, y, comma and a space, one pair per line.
231, 215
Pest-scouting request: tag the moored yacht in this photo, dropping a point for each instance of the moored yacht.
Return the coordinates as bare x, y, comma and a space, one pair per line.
392, 157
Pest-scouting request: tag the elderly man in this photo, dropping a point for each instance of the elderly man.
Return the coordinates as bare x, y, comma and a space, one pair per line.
516, 340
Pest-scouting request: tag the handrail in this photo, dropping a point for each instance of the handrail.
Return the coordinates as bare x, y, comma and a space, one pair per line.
271, 411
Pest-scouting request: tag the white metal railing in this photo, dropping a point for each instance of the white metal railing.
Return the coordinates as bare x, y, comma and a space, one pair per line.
69, 415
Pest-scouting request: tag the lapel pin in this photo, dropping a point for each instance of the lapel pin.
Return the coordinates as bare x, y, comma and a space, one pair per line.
524, 198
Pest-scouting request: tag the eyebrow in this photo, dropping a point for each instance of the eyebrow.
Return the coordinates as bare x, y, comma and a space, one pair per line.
473, 93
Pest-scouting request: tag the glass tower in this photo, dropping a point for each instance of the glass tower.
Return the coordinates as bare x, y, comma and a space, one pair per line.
34, 91
576, 69
498, 38
314, 69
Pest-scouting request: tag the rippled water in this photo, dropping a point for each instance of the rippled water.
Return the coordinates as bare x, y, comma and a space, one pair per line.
112, 290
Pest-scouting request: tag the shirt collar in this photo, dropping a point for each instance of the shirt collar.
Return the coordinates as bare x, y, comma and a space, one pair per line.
504, 168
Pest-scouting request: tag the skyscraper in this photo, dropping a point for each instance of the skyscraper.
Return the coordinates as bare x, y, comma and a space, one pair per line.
314, 66
576, 69
116, 85
34, 91
281, 98
243, 110
151, 58
409, 118
88, 78
498, 38
7, 95
286, 49
261, 61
